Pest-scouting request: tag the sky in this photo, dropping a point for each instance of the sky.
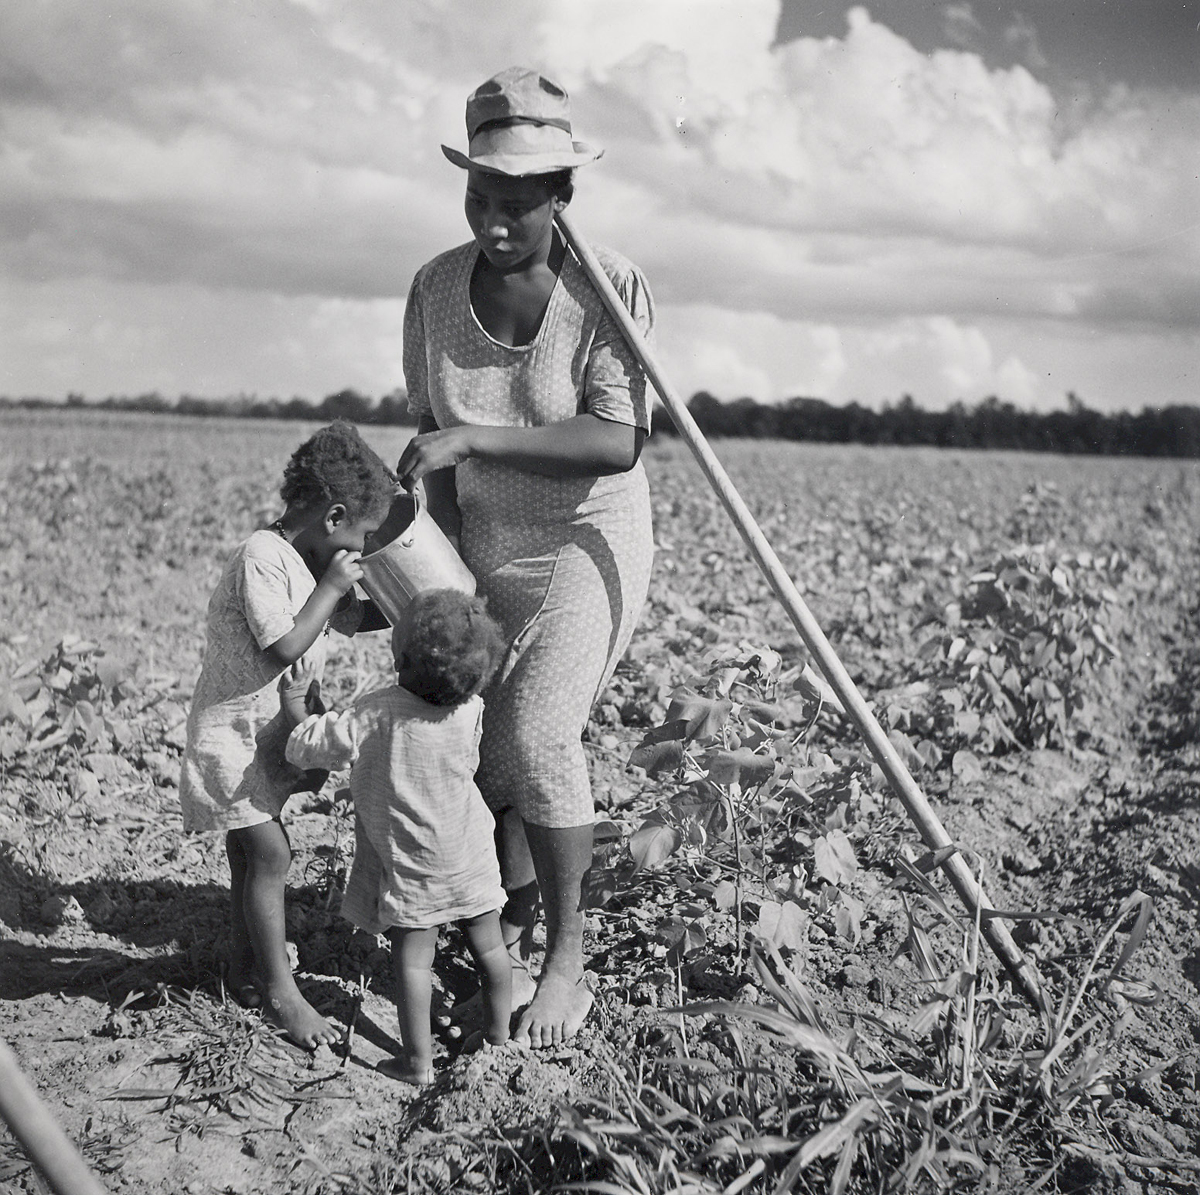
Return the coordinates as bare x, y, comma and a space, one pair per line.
848, 202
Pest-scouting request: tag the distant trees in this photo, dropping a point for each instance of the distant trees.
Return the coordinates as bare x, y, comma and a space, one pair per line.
345, 404
1154, 431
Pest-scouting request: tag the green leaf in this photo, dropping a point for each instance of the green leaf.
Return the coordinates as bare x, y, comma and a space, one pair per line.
725, 895
11, 706
661, 750
966, 766
833, 858
652, 842
606, 831
764, 711
705, 717
742, 767
784, 924
906, 750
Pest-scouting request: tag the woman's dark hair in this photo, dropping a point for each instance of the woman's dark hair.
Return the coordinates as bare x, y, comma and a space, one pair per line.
451, 645
560, 183
337, 465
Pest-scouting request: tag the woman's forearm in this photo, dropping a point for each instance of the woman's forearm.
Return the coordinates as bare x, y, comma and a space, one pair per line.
584, 446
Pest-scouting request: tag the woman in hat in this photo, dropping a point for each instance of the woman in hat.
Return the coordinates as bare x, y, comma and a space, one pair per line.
532, 412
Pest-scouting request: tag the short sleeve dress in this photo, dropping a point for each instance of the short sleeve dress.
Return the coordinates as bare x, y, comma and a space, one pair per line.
564, 563
424, 853
234, 773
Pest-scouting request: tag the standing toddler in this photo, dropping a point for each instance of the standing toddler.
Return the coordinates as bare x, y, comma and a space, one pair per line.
279, 592
424, 849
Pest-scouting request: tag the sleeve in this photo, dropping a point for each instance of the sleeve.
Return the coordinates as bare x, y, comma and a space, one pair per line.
416, 361
346, 621
615, 387
265, 594
324, 741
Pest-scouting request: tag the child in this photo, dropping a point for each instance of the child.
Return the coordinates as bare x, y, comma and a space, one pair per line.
278, 593
424, 850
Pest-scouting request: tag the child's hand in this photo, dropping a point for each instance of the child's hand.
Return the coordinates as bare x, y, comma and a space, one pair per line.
299, 691
343, 571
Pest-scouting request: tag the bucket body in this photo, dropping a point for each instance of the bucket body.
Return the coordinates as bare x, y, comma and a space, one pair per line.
414, 555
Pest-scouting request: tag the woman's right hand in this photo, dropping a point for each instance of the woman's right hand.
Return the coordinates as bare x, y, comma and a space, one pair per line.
343, 571
432, 451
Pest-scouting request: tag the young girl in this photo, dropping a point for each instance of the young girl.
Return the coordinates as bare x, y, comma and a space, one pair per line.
424, 850
278, 593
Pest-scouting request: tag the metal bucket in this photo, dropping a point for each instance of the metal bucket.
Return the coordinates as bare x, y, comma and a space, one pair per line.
414, 555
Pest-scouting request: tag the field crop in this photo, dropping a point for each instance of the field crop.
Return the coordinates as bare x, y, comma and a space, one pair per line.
789, 997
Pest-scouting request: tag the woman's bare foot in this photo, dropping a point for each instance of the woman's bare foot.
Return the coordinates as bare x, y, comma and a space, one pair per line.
467, 1016
289, 1011
405, 1071
559, 1007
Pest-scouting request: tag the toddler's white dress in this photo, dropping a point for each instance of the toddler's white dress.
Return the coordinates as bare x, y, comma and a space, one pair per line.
234, 774
424, 852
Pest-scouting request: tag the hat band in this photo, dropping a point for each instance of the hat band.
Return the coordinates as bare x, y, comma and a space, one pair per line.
501, 121
520, 138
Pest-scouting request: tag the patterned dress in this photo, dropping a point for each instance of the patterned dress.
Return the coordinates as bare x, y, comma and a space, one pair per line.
234, 774
424, 852
564, 562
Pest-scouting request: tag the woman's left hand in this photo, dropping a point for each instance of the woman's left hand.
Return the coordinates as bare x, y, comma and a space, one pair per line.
431, 451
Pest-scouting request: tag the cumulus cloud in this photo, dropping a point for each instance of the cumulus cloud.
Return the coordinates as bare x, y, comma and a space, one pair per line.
101, 337
856, 204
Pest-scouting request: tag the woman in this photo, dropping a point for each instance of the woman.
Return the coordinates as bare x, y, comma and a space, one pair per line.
532, 412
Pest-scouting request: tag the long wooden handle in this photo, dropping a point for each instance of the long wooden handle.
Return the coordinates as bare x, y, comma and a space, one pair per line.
906, 788
45, 1143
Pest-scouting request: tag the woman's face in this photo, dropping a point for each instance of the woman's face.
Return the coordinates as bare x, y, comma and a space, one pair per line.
512, 219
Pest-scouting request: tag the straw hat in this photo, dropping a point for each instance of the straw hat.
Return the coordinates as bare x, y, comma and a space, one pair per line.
519, 123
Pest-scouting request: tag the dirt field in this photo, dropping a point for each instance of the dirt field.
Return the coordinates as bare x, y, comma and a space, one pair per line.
1025, 627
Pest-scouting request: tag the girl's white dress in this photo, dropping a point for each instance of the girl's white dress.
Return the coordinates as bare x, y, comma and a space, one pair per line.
234, 773
424, 851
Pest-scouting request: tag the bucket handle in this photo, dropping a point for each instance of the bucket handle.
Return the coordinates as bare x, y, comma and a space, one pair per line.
409, 534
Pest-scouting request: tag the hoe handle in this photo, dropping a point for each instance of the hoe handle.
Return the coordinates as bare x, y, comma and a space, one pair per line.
44, 1142
906, 788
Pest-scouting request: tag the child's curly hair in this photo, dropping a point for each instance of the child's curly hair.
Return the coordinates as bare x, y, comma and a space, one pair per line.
337, 465
451, 643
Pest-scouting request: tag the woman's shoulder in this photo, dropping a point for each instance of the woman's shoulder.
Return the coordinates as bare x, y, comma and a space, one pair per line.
445, 264
627, 278
628, 281
618, 267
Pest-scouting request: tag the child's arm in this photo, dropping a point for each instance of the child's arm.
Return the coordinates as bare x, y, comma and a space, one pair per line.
310, 621
327, 741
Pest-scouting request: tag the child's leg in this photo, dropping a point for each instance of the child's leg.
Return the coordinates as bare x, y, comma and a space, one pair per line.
485, 939
412, 962
241, 953
267, 855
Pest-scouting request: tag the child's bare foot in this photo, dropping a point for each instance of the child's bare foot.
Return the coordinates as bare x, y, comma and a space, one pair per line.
559, 1007
405, 1070
240, 980
289, 1010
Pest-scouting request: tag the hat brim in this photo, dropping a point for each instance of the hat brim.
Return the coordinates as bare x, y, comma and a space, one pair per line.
521, 165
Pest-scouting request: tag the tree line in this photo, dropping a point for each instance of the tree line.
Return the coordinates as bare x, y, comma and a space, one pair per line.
1154, 431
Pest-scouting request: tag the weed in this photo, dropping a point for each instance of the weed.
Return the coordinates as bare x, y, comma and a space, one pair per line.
230, 1062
